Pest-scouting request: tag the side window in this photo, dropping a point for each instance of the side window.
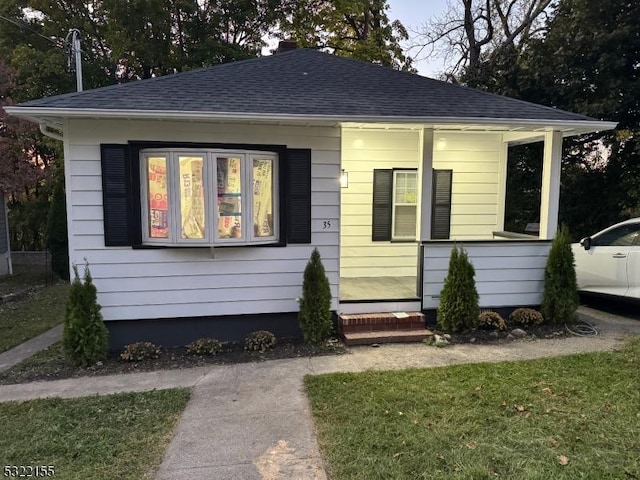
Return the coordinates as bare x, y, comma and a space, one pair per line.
623, 236
405, 204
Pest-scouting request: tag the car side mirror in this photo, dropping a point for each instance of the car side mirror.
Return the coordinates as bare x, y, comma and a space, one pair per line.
586, 243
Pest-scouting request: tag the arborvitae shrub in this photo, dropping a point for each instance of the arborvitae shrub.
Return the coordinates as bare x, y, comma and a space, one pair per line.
315, 305
560, 299
85, 339
458, 309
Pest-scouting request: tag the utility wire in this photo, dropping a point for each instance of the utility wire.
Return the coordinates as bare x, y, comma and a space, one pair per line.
24, 25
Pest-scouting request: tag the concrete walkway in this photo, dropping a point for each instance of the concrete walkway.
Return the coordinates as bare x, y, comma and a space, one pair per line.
252, 421
29, 348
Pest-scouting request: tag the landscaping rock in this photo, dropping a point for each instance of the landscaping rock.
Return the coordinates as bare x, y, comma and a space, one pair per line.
472, 340
494, 334
518, 333
441, 340
510, 337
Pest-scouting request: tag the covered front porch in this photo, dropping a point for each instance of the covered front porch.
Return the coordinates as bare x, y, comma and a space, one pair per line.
411, 191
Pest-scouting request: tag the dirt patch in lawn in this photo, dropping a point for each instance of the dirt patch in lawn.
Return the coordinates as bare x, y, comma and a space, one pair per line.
51, 364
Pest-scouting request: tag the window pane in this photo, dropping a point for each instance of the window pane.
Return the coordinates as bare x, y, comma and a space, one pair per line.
229, 198
192, 211
158, 197
263, 197
405, 221
406, 187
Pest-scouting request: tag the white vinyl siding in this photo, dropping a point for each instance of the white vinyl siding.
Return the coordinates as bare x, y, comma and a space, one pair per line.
186, 282
364, 150
508, 273
475, 159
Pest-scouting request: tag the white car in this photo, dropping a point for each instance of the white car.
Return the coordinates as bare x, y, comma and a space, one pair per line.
608, 262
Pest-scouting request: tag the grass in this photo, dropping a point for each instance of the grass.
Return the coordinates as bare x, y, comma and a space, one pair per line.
562, 418
118, 436
35, 314
24, 276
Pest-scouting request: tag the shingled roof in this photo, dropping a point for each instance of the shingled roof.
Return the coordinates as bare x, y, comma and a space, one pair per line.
304, 82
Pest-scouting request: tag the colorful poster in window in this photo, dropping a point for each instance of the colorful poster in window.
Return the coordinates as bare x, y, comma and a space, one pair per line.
192, 200
158, 197
229, 184
263, 197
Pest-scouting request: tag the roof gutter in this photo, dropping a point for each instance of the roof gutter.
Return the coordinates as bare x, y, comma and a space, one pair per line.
38, 113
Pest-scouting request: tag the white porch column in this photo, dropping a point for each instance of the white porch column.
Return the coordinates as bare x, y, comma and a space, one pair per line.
550, 198
425, 170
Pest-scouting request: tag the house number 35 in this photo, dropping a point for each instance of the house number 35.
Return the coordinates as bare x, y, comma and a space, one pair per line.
326, 224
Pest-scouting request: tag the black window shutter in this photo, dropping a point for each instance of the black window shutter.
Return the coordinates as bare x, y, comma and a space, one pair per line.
116, 200
298, 195
382, 204
441, 204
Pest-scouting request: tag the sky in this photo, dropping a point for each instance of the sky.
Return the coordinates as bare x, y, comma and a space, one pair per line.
412, 14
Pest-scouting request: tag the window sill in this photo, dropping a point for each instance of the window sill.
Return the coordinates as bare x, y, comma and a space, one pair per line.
207, 247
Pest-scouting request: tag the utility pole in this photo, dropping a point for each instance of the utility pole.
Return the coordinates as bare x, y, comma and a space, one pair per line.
72, 49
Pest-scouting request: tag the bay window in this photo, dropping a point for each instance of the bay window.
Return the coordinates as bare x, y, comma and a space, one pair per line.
209, 197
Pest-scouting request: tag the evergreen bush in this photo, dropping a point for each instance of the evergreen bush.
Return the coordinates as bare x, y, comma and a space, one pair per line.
85, 339
57, 241
315, 305
560, 299
458, 309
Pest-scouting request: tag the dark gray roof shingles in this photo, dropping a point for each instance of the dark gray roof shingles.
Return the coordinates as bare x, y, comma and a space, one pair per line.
305, 82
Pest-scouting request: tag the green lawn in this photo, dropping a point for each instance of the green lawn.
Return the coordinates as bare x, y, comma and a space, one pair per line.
27, 318
118, 436
25, 276
560, 418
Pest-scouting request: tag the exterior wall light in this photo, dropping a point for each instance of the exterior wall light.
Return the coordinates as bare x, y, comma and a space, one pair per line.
344, 178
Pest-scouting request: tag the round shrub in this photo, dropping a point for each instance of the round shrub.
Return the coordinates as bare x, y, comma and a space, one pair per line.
526, 317
204, 347
139, 351
491, 321
260, 341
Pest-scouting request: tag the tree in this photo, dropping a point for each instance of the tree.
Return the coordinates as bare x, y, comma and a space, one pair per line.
358, 29
315, 304
560, 298
458, 309
57, 239
477, 36
85, 338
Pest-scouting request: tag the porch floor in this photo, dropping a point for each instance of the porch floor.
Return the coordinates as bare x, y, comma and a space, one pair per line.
378, 288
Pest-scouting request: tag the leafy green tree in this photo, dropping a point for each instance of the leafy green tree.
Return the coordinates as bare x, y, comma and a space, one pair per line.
85, 338
358, 29
57, 240
560, 299
458, 309
315, 304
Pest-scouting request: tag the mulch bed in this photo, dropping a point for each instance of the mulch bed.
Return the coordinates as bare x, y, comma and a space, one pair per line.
51, 364
494, 336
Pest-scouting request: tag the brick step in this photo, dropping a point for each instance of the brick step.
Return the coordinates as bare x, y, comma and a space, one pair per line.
374, 322
386, 336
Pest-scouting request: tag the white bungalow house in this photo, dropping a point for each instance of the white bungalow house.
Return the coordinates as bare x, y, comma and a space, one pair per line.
197, 198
